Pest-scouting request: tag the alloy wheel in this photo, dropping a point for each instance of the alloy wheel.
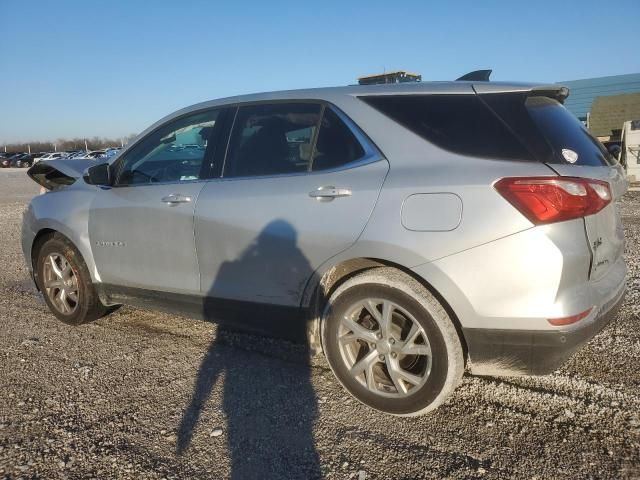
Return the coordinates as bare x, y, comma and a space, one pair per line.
60, 283
384, 348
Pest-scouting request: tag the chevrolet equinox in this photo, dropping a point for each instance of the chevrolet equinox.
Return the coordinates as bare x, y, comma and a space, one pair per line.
409, 232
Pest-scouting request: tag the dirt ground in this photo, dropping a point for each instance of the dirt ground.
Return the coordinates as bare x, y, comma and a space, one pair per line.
128, 397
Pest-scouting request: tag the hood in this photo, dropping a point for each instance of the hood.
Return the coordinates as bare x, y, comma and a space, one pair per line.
59, 173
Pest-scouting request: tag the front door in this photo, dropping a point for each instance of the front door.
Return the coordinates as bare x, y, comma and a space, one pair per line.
142, 229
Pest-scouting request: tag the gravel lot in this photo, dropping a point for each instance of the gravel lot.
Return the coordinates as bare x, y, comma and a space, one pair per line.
108, 400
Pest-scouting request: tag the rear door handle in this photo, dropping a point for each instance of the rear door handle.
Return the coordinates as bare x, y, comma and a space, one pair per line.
176, 198
328, 193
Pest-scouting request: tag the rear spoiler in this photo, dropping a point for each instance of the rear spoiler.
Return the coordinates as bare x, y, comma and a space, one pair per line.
557, 92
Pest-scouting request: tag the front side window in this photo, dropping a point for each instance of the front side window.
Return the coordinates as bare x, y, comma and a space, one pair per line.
173, 153
272, 139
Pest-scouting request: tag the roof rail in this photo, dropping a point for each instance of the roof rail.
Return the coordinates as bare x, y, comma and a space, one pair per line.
476, 76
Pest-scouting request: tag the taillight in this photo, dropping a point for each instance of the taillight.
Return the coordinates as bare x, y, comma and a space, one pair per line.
554, 199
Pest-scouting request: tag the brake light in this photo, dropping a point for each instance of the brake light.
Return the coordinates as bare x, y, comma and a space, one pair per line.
570, 320
554, 199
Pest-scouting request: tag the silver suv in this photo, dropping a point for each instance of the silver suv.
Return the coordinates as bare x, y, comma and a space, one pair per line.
410, 232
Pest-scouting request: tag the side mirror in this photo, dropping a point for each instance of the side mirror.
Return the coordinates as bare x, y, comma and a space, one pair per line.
98, 175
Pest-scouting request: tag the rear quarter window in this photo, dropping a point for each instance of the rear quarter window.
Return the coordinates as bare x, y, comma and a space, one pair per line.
461, 124
336, 144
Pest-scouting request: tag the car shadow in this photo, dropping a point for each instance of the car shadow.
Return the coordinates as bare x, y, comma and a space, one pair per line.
270, 404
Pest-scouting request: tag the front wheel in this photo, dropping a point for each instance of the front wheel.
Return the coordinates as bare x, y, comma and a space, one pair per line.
66, 284
391, 343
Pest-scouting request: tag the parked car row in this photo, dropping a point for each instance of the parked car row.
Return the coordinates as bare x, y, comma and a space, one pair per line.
17, 159
25, 160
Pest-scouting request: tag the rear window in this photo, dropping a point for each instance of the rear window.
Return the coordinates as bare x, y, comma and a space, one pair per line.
459, 123
571, 141
548, 129
272, 139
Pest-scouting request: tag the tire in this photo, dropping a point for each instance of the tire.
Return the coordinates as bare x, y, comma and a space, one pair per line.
409, 370
83, 307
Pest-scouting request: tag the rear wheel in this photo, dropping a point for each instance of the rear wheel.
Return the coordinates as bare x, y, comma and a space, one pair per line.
64, 280
391, 344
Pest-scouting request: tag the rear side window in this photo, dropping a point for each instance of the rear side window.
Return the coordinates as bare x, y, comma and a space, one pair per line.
571, 141
272, 139
459, 123
336, 144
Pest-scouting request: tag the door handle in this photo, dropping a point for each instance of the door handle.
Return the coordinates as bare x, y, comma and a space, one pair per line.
175, 199
328, 193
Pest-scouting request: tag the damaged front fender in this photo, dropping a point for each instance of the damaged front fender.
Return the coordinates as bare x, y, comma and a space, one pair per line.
57, 174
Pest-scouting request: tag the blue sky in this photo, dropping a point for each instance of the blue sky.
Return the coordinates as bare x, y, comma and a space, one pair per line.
110, 68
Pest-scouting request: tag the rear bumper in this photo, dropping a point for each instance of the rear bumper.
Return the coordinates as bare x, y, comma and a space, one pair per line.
533, 352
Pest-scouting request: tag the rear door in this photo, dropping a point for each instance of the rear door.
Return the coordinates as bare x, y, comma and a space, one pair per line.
576, 153
300, 182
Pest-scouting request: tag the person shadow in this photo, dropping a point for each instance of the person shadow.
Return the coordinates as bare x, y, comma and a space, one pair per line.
269, 403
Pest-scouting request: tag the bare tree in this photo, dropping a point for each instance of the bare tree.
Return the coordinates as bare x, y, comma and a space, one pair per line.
68, 144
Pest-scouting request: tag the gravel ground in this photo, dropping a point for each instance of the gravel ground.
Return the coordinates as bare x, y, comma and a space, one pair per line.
108, 400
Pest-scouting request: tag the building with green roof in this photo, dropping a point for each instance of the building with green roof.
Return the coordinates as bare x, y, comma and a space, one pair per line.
609, 113
584, 92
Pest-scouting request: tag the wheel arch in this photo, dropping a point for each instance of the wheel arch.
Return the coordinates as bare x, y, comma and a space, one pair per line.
320, 288
41, 237
92, 307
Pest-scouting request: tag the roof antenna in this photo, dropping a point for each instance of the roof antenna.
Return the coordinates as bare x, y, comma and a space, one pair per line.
476, 76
